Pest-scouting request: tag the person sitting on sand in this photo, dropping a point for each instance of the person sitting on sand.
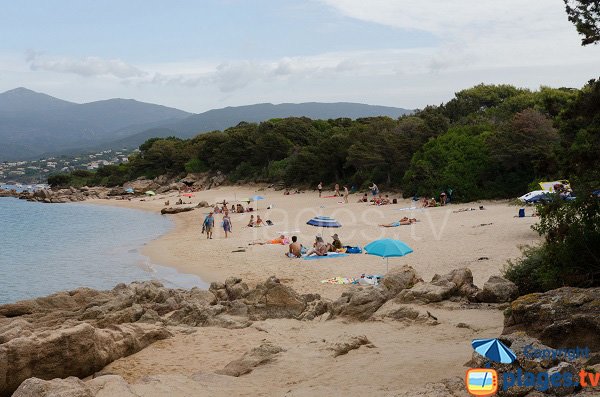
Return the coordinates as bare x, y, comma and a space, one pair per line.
232, 209
295, 248
364, 199
251, 223
336, 244
279, 240
432, 203
386, 200
259, 221
240, 209
402, 222
319, 247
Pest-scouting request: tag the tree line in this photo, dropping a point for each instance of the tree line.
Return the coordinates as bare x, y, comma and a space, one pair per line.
489, 141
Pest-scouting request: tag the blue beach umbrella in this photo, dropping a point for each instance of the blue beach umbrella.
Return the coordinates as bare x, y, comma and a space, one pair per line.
257, 198
129, 190
323, 221
494, 350
388, 248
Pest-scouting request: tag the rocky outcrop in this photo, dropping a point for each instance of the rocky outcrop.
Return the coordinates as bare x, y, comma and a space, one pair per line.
261, 355
463, 279
349, 343
398, 279
564, 317
359, 303
141, 185
497, 290
171, 210
103, 386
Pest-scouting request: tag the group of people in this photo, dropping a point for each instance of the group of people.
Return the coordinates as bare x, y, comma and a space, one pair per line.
319, 248
209, 224
336, 191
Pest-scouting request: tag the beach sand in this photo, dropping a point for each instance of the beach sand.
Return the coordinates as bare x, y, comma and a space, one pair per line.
404, 356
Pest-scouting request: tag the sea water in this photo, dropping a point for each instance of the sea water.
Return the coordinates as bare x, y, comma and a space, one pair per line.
46, 248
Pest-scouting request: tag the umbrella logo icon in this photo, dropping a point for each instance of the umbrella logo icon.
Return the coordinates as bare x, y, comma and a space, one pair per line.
494, 350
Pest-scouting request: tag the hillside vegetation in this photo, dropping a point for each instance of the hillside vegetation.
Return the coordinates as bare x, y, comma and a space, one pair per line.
489, 141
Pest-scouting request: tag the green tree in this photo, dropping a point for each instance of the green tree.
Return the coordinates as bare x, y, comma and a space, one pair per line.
585, 15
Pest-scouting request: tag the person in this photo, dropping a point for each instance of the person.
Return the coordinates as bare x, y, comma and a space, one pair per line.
259, 221
320, 188
402, 222
209, 224
232, 209
346, 194
432, 203
374, 189
319, 247
240, 209
251, 223
337, 190
226, 224
336, 245
295, 248
279, 240
386, 200
443, 198
364, 199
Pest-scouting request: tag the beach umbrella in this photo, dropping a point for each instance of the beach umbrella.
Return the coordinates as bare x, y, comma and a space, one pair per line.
150, 193
129, 190
387, 248
323, 221
494, 350
257, 198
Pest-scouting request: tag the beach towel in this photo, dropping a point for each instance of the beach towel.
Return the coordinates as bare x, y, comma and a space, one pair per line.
328, 256
339, 280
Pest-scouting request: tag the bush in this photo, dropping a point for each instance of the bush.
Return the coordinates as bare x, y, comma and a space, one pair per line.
570, 253
59, 180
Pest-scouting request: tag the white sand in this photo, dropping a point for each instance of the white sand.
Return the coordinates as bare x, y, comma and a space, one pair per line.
404, 357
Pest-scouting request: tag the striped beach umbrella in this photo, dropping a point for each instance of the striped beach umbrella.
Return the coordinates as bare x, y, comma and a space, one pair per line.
323, 221
494, 350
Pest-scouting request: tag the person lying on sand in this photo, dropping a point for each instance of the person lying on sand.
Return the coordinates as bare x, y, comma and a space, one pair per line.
319, 247
279, 240
401, 222
295, 248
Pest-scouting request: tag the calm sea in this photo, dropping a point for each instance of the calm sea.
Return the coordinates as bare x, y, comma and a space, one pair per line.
45, 248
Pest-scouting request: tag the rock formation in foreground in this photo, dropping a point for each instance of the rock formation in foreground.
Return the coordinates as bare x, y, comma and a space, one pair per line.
79, 332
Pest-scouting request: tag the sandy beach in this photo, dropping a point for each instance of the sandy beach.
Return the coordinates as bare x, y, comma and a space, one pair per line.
405, 355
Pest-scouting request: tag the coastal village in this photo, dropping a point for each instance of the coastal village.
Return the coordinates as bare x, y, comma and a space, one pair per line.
37, 171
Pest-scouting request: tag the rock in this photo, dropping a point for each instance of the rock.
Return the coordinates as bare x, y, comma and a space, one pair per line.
69, 387
272, 299
261, 355
562, 368
79, 350
141, 185
395, 310
436, 291
497, 290
358, 303
564, 317
350, 343
463, 278
235, 288
171, 210
453, 387
398, 279
202, 204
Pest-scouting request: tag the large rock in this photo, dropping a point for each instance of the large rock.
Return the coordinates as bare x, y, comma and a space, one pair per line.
78, 350
497, 290
272, 299
103, 386
398, 279
463, 279
141, 185
395, 310
436, 291
359, 303
261, 355
564, 317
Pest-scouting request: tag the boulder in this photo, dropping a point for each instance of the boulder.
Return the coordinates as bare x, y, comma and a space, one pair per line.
564, 317
397, 311
171, 210
358, 303
436, 291
272, 299
497, 290
463, 278
398, 279
141, 185
261, 355
69, 387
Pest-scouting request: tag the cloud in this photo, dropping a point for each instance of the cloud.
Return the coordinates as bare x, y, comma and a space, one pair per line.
86, 67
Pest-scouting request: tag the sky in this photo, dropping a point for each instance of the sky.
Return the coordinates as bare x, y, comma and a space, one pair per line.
198, 55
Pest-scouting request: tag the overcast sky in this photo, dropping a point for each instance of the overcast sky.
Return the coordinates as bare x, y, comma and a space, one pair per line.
199, 55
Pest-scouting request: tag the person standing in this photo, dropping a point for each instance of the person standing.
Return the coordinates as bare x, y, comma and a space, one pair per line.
346, 194
374, 189
337, 190
320, 188
209, 224
226, 224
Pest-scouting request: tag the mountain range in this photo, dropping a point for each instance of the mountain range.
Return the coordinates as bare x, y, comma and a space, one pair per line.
34, 124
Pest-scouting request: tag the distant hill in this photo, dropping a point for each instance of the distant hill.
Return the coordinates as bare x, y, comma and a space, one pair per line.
220, 119
34, 124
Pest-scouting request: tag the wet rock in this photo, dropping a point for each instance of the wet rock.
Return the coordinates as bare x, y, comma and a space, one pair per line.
497, 290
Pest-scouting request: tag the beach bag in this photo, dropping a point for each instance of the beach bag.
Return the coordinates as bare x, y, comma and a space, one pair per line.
353, 250
521, 212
